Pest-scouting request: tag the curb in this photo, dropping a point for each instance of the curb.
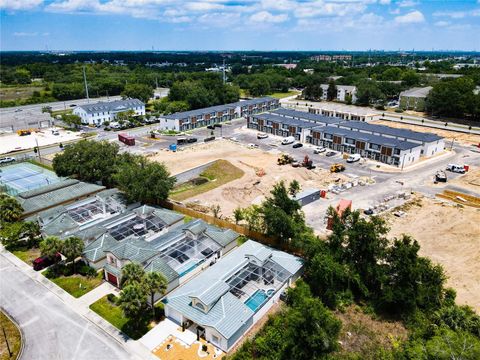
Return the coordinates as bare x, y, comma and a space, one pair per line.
22, 336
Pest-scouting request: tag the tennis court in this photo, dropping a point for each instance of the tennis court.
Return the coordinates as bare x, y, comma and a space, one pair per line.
17, 178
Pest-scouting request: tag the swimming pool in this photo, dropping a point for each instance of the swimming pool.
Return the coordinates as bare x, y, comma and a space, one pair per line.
186, 268
256, 300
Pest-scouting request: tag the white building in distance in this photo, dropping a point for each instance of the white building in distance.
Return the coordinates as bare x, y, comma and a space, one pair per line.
342, 92
98, 113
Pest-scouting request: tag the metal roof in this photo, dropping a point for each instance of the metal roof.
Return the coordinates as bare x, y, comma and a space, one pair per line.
419, 92
157, 264
227, 314
96, 250
217, 108
55, 194
374, 139
112, 106
305, 193
302, 115
285, 120
387, 130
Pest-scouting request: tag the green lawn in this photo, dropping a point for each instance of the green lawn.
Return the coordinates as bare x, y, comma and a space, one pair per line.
13, 336
280, 95
27, 254
78, 285
218, 174
134, 328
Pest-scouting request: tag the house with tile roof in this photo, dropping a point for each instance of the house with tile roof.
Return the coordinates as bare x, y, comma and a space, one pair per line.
223, 302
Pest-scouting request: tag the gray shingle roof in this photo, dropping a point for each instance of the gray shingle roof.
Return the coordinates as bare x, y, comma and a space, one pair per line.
222, 237
212, 293
96, 249
196, 226
112, 106
133, 249
157, 264
302, 115
285, 120
375, 139
387, 130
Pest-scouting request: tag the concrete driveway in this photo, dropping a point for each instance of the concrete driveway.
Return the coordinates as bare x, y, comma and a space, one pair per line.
51, 330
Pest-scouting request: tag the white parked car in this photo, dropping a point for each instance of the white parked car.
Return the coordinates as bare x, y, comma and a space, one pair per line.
262, 136
319, 150
252, 146
6, 160
288, 140
456, 168
354, 158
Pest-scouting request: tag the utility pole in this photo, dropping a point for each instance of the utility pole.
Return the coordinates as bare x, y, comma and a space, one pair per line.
38, 151
6, 340
86, 86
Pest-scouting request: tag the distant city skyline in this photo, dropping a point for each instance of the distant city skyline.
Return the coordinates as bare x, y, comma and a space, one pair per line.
227, 25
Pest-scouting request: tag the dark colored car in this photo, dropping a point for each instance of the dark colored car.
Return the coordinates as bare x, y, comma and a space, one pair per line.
45, 261
211, 127
368, 212
192, 140
331, 153
297, 145
217, 125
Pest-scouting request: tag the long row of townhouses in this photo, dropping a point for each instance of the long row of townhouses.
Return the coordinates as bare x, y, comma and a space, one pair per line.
393, 146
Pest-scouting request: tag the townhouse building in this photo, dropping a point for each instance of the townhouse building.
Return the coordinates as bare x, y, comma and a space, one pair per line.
380, 148
98, 113
281, 126
188, 120
414, 98
343, 91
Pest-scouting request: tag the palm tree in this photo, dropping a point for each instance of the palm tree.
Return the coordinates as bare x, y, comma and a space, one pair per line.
31, 230
73, 248
155, 282
238, 215
132, 300
50, 246
10, 208
132, 273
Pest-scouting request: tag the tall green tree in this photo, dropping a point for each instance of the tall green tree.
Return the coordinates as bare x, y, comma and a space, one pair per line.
72, 249
10, 208
132, 273
331, 90
50, 246
133, 300
142, 92
154, 283
88, 160
144, 181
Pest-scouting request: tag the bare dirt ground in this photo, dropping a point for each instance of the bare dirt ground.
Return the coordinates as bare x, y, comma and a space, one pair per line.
463, 138
449, 235
469, 181
250, 188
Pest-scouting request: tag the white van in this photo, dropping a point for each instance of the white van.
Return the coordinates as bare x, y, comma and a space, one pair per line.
288, 140
354, 158
456, 168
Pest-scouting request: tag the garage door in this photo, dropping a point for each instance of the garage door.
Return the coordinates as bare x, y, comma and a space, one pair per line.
112, 279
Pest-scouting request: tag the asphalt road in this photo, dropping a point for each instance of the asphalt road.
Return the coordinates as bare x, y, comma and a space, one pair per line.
50, 328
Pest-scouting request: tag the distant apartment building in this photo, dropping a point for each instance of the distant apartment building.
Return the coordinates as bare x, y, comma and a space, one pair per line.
188, 120
343, 91
414, 98
98, 113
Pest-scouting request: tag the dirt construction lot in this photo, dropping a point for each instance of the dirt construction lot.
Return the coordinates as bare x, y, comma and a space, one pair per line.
463, 138
250, 188
449, 235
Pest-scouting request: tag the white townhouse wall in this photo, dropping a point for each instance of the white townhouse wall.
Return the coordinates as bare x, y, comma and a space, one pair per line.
98, 113
410, 156
342, 92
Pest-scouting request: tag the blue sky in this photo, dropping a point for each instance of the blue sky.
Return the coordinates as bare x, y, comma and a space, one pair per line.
240, 25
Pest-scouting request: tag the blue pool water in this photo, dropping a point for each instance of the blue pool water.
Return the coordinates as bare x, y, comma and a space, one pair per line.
187, 268
256, 300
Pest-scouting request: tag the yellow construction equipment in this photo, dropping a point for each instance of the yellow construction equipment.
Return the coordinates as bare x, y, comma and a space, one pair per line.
285, 159
337, 168
23, 132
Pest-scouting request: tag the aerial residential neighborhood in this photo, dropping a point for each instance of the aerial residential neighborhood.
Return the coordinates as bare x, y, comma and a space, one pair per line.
281, 180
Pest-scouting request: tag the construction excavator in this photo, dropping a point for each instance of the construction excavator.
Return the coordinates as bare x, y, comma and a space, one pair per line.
335, 168
307, 163
285, 159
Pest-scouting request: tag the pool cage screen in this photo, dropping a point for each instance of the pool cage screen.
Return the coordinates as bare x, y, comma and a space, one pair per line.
251, 278
86, 212
189, 251
137, 226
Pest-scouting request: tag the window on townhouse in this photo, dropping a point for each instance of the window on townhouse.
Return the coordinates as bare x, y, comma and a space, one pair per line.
374, 147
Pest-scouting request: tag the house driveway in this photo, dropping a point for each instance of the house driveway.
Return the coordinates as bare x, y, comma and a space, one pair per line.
51, 329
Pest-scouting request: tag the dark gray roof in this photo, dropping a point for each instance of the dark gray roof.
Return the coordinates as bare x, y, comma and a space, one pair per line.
217, 108
387, 130
157, 264
112, 106
285, 120
96, 250
302, 115
133, 249
375, 139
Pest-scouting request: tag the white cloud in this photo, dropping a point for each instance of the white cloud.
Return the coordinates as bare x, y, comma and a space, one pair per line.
25, 34
457, 14
442, 23
202, 6
19, 4
266, 17
282, 5
410, 18
408, 3
320, 8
